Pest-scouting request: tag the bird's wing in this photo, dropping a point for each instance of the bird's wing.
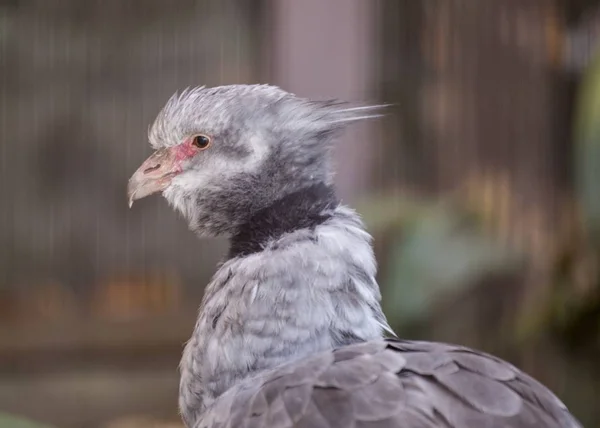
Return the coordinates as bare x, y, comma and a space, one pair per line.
391, 384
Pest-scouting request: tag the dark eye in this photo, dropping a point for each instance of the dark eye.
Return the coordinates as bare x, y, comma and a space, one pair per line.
201, 141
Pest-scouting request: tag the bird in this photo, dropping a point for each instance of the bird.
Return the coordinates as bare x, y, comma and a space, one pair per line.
290, 331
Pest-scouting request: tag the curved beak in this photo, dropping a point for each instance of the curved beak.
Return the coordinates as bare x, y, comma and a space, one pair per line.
154, 175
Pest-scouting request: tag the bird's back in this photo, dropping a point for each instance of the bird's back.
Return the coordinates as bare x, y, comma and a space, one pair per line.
391, 384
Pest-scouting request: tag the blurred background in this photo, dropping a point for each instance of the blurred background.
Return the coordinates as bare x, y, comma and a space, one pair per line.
482, 185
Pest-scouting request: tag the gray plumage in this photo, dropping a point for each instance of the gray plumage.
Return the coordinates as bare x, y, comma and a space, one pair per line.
385, 384
290, 331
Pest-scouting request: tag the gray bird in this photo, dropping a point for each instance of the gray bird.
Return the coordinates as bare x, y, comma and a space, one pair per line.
290, 331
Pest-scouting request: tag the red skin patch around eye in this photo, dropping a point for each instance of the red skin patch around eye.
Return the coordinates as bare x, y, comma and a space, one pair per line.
184, 151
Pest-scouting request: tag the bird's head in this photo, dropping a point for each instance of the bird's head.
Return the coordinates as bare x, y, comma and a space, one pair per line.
224, 153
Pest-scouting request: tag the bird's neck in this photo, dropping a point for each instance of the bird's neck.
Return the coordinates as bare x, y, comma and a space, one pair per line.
305, 208
300, 279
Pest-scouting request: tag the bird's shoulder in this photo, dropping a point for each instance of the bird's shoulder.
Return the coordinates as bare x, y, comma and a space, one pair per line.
391, 384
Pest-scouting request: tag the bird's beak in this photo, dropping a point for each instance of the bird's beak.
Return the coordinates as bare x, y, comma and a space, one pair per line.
154, 175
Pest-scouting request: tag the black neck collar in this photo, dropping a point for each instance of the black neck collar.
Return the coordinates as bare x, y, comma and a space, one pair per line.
305, 208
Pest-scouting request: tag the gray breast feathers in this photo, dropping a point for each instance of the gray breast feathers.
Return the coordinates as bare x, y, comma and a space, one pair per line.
390, 384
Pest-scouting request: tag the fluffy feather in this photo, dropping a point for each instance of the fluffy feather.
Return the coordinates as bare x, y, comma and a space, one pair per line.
268, 143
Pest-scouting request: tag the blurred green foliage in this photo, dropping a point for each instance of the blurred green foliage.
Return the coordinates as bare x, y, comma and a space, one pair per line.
12, 421
436, 249
576, 304
587, 149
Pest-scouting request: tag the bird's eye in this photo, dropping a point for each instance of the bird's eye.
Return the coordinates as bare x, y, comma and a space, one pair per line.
201, 141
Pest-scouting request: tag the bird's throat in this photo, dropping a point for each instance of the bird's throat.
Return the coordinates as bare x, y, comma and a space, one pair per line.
302, 209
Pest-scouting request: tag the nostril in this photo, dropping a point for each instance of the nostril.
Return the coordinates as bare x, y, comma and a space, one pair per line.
152, 168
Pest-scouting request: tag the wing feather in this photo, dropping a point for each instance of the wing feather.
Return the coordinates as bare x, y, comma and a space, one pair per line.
391, 384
